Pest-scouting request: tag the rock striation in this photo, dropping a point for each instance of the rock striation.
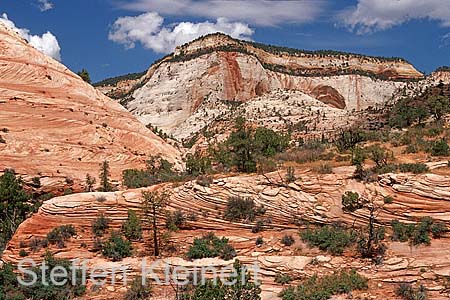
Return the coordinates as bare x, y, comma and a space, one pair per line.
217, 70
55, 125
313, 199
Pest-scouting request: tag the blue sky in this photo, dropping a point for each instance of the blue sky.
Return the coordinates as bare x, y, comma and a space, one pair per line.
113, 37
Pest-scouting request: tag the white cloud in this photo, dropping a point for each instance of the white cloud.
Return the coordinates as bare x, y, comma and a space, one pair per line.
445, 40
148, 29
256, 12
47, 43
45, 5
374, 15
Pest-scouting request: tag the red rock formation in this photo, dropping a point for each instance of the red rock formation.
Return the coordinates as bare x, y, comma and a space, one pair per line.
58, 126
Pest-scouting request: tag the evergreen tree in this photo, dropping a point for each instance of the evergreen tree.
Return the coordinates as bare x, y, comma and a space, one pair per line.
154, 203
14, 205
105, 185
84, 74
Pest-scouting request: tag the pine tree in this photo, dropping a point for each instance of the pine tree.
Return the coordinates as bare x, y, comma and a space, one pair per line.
154, 203
105, 185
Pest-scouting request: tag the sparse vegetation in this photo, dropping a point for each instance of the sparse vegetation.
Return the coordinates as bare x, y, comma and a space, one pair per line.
100, 225
140, 289
240, 209
440, 148
197, 164
37, 243
175, 220
246, 145
418, 233
211, 246
158, 170
89, 184
287, 240
114, 80
60, 235
116, 247
132, 228
407, 292
239, 287
10, 289
331, 238
259, 241
283, 279
416, 168
323, 288
351, 202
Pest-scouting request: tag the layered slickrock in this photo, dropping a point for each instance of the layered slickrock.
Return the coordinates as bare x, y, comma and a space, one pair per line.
56, 125
312, 198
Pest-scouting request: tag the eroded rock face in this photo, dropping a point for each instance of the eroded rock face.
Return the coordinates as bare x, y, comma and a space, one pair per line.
313, 198
57, 126
221, 69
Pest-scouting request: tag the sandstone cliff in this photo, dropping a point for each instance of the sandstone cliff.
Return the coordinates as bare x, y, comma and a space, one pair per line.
55, 125
220, 69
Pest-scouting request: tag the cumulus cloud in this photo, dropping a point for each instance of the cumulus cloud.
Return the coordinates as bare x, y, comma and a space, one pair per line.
45, 5
375, 15
256, 12
47, 43
148, 29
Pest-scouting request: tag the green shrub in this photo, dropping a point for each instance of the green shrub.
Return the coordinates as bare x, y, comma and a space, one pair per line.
61, 234
287, 240
37, 243
282, 279
116, 247
438, 229
68, 191
407, 292
175, 220
100, 225
211, 246
238, 287
388, 200
333, 239
14, 205
240, 209
134, 178
44, 289
139, 290
36, 181
259, 241
23, 253
197, 164
351, 202
323, 288
259, 226
132, 228
416, 168
440, 148
417, 233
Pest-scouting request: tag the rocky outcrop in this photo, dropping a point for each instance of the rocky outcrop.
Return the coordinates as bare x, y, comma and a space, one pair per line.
220, 69
313, 199
55, 125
